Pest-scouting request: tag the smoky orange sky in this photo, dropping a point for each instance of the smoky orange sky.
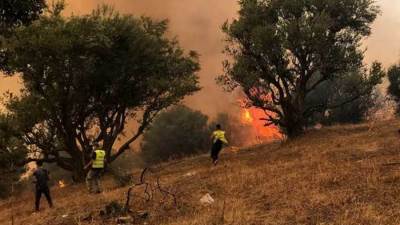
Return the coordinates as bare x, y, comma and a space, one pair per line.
197, 23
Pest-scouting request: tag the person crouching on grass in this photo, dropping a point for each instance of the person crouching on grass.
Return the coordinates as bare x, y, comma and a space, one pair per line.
218, 140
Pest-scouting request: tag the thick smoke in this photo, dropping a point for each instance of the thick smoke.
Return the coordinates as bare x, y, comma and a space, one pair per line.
197, 25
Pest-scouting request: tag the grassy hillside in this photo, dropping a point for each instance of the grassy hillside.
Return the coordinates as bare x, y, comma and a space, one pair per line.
337, 175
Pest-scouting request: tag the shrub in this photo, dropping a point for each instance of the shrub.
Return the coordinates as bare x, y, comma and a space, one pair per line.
176, 133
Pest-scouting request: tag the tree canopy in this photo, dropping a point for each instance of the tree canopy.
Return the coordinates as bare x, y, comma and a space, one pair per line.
86, 76
346, 99
19, 12
282, 50
13, 13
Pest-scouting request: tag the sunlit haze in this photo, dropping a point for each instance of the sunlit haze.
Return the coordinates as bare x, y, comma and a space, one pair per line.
197, 23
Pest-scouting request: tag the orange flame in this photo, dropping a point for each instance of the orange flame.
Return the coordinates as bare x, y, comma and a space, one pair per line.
61, 184
247, 118
262, 133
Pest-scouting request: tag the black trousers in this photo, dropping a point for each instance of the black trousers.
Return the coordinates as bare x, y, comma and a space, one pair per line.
216, 149
38, 195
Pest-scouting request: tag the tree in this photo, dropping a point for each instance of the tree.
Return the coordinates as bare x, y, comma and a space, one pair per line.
394, 84
355, 88
14, 13
176, 133
86, 76
12, 149
282, 50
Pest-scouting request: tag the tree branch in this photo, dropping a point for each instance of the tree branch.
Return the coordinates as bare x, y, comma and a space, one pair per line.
316, 84
147, 118
323, 107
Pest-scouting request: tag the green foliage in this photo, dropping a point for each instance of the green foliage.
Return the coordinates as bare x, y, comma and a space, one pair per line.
15, 13
346, 99
12, 150
284, 49
394, 84
176, 133
19, 12
12, 153
85, 76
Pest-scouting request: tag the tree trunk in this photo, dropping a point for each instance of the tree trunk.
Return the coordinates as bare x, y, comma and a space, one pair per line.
294, 120
294, 129
79, 174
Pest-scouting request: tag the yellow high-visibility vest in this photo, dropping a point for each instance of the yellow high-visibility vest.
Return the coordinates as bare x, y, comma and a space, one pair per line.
220, 135
98, 163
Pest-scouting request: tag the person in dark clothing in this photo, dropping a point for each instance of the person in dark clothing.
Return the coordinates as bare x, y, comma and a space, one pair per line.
218, 139
215, 150
41, 187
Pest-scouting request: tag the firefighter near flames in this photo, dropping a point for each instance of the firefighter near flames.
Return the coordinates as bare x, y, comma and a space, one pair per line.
96, 166
218, 141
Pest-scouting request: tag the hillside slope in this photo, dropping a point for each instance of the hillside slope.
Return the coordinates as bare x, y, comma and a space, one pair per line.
337, 175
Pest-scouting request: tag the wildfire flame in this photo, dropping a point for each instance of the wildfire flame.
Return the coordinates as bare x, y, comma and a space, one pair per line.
247, 117
252, 117
61, 184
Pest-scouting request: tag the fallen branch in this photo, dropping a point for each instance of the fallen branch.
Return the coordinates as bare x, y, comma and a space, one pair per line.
165, 192
128, 194
149, 189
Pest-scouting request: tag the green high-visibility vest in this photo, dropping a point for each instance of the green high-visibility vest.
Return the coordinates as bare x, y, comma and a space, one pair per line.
98, 163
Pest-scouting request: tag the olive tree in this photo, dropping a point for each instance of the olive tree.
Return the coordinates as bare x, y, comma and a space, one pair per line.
13, 13
346, 99
86, 76
281, 50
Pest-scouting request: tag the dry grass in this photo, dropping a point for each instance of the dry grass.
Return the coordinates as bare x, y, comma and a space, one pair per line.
337, 175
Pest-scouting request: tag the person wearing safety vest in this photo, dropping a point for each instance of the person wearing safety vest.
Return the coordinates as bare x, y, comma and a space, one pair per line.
218, 140
96, 166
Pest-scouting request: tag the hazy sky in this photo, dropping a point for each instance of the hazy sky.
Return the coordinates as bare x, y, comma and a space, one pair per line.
384, 43
197, 24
